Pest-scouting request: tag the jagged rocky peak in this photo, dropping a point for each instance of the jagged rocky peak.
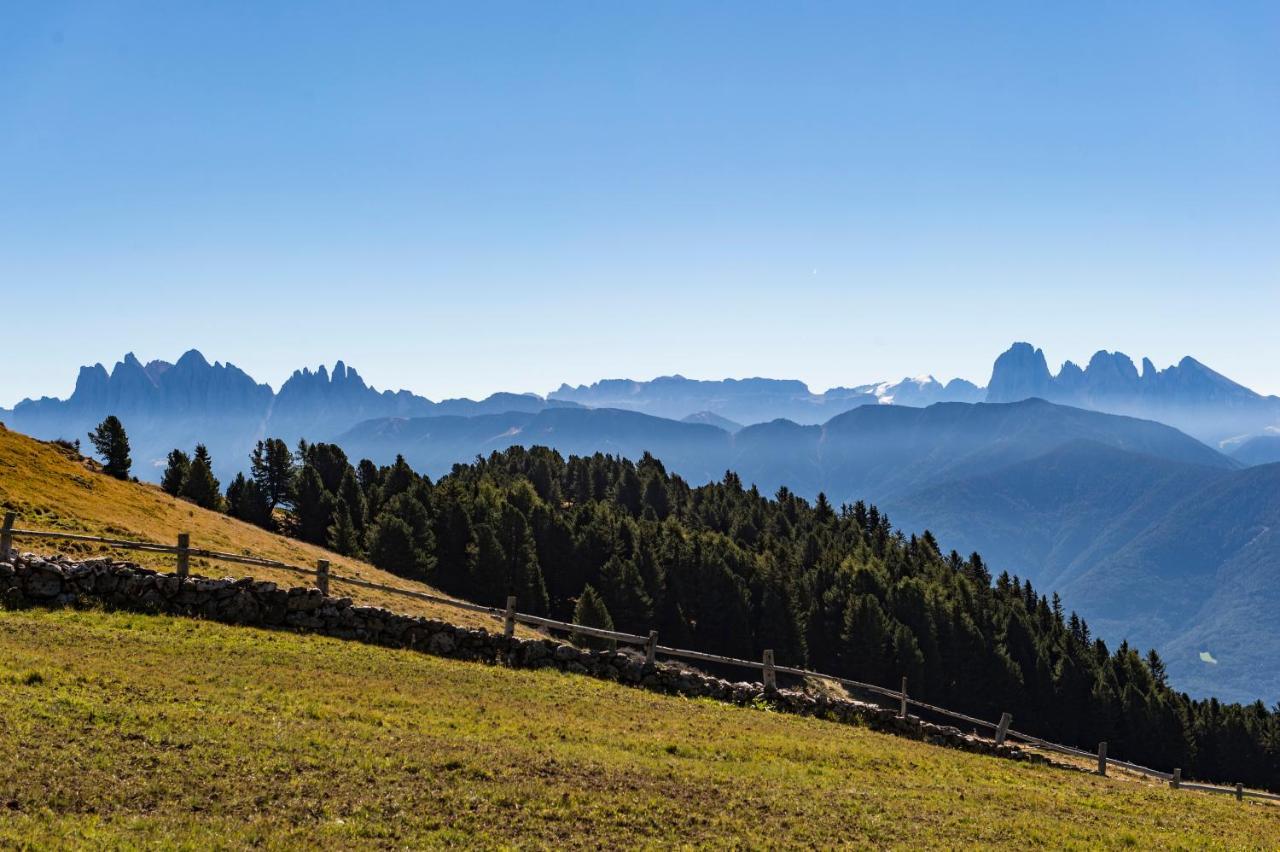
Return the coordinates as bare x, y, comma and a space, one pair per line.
1020, 373
1111, 372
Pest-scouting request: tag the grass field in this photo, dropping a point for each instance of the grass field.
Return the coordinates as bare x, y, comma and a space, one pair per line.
123, 729
51, 489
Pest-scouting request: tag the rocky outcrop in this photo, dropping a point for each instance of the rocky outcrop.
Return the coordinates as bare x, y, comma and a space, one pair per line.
1187, 395
28, 580
1020, 373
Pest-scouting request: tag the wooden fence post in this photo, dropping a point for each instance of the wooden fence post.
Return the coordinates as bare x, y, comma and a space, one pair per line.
509, 625
651, 649
1239, 792
184, 558
1102, 758
1176, 781
770, 676
6, 534
322, 576
1002, 730
902, 711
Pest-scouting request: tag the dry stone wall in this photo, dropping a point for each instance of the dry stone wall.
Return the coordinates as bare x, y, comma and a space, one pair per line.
30, 580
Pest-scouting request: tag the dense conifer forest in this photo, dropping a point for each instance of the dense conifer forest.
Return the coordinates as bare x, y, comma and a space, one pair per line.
726, 569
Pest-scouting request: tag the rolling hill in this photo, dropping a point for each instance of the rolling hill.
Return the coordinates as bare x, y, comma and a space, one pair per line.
52, 488
161, 731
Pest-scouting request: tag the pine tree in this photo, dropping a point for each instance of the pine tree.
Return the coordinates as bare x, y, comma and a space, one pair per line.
590, 611
273, 471
343, 537
201, 486
111, 442
175, 472
389, 544
350, 493
312, 507
246, 501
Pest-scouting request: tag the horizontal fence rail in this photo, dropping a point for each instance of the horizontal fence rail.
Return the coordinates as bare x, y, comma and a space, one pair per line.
183, 552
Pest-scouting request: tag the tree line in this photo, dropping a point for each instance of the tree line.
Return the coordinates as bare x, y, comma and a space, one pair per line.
726, 569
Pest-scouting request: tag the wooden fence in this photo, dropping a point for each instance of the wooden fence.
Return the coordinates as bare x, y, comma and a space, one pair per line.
1002, 732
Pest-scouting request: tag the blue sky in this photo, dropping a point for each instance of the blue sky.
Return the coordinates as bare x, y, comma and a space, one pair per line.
471, 197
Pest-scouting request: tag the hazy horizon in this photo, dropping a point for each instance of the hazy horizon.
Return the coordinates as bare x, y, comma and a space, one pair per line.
1054, 367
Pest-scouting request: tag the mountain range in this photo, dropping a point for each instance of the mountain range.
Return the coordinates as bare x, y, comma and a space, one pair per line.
168, 405
1150, 533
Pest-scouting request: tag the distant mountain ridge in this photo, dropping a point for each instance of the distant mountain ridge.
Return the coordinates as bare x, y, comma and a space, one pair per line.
166, 405
173, 404
758, 400
1187, 395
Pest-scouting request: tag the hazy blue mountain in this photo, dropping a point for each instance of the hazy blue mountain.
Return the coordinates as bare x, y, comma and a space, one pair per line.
1187, 395
1201, 578
167, 405
1176, 555
1260, 449
872, 452
435, 444
711, 419
759, 400
890, 451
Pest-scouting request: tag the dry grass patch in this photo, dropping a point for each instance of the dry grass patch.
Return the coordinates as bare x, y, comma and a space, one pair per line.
51, 488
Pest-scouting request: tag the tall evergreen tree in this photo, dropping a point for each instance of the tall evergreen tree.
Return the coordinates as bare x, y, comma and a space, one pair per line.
111, 442
343, 536
175, 472
313, 506
246, 501
273, 471
389, 544
201, 486
590, 611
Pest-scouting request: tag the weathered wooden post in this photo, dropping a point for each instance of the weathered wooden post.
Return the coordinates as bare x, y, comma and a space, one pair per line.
6, 534
1102, 758
1239, 792
902, 711
1176, 781
184, 556
509, 624
651, 648
322, 576
770, 676
1002, 730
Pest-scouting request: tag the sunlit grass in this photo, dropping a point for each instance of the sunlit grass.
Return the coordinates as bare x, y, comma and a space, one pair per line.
124, 729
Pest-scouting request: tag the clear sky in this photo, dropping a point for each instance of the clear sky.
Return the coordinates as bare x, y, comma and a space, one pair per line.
460, 198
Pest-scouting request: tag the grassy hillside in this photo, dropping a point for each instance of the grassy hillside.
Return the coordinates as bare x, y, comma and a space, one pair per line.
124, 729
53, 489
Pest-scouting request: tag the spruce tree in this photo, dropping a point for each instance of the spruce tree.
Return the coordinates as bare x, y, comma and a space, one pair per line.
246, 501
200, 486
343, 537
350, 493
590, 611
175, 472
111, 442
389, 544
273, 471
312, 507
